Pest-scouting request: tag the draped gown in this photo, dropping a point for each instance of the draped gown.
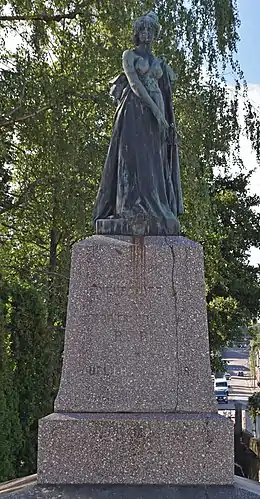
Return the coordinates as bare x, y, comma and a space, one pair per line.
141, 175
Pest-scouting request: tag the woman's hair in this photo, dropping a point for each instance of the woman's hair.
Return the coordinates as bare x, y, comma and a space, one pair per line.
150, 17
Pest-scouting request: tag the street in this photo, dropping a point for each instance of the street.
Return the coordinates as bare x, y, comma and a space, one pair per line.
241, 387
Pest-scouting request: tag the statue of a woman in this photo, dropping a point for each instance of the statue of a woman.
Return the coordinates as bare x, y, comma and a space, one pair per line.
140, 189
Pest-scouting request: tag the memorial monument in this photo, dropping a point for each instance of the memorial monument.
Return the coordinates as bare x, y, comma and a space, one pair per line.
136, 402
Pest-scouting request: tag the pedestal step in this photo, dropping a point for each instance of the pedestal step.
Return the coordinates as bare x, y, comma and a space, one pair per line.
151, 448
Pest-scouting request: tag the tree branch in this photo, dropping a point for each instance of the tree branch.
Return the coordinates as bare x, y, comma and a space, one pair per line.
40, 271
43, 16
22, 197
15, 146
12, 121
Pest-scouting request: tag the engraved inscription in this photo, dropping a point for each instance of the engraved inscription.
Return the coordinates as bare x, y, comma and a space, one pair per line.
114, 370
142, 336
105, 370
118, 336
119, 321
114, 316
121, 288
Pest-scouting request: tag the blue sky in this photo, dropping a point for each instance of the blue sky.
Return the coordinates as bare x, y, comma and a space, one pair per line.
248, 48
248, 57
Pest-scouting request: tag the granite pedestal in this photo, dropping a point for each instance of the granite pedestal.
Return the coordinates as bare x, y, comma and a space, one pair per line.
136, 402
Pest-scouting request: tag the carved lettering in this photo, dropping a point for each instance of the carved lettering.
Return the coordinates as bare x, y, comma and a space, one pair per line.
115, 315
106, 370
115, 370
91, 370
109, 315
121, 287
118, 335
108, 287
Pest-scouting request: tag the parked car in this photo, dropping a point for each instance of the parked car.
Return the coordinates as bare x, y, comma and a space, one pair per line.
221, 384
221, 396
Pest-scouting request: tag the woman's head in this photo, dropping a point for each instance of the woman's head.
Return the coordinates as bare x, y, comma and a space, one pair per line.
146, 28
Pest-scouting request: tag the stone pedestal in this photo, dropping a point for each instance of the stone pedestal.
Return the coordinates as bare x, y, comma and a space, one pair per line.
136, 402
149, 448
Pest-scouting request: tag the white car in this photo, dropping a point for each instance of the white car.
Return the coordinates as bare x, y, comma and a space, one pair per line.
221, 384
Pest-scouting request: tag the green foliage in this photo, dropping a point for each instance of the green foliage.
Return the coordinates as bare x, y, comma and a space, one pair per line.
55, 122
32, 353
233, 292
10, 428
254, 331
254, 405
26, 389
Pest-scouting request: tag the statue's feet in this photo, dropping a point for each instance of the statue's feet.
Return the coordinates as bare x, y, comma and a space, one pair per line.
139, 225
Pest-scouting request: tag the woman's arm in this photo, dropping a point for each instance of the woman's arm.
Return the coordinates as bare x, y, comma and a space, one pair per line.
136, 85
172, 75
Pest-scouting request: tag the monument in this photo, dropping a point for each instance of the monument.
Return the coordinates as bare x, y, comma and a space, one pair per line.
135, 416
136, 402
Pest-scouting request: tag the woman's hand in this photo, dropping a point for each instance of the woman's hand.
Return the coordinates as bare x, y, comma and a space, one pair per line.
163, 125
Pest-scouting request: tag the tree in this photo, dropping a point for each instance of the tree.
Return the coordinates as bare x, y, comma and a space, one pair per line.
254, 405
234, 292
26, 391
10, 428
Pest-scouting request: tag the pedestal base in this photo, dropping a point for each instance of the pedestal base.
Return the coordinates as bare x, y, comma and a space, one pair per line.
147, 448
139, 226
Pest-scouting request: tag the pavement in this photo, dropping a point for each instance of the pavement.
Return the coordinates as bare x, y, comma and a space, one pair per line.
241, 387
27, 488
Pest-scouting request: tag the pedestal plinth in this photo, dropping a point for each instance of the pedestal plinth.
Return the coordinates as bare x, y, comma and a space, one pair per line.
151, 448
138, 226
136, 401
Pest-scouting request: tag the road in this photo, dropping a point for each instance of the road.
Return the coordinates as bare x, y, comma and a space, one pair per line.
241, 387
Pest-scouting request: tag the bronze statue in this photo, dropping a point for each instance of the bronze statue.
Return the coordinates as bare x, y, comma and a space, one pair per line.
140, 189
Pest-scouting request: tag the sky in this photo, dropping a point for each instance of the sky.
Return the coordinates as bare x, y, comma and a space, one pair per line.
248, 56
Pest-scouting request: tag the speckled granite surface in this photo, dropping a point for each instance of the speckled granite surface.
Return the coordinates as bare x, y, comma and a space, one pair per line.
136, 448
136, 402
136, 332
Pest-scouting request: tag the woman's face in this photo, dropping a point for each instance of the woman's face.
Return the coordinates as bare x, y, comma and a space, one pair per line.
146, 32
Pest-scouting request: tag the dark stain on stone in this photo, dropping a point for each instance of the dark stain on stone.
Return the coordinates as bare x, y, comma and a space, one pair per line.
138, 260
